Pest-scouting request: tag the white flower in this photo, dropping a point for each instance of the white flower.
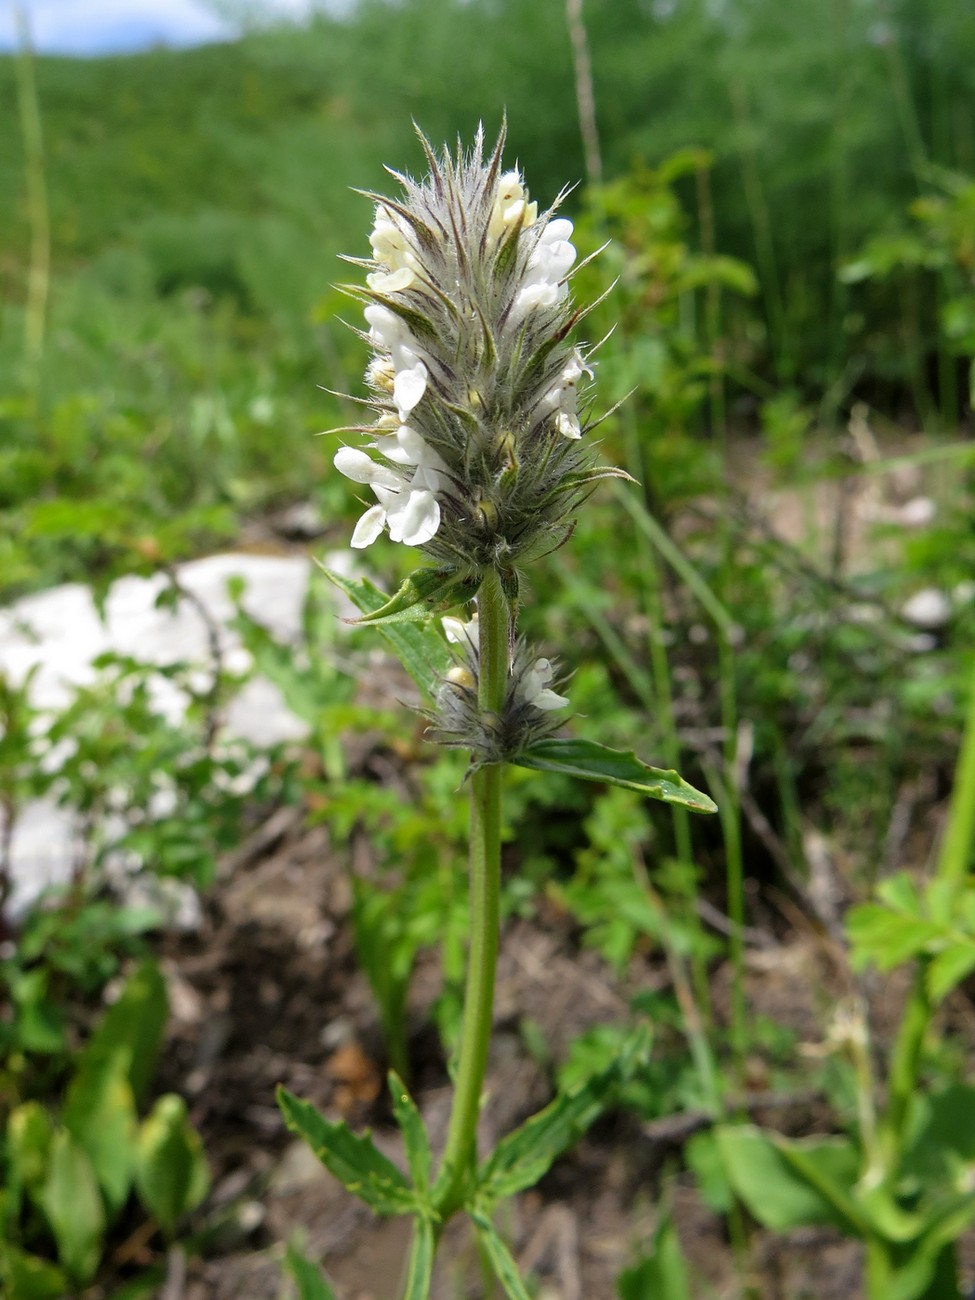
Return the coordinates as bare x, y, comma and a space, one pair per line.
460, 633
409, 369
549, 262
391, 281
511, 206
563, 397
390, 244
409, 509
534, 687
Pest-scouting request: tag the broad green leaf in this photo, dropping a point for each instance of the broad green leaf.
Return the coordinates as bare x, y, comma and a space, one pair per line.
40, 1023
505, 1268
524, 1156
171, 1173
355, 1161
29, 1133
419, 649
791, 1184
595, 762
662, 1273
703, 1157
99, 1112
900, 893
414, 1132
424, 592
887, 938
949, 968
26, 1277
419, 1266
132, 1028
73, 1205
308, 1278
941, 1145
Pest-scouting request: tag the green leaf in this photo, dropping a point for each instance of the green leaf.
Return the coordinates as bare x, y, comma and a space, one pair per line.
414, 1132
131, 1029
949, 968
419, 649
524, 1156
887, 938
661, 1273
419, 1266
99, 1112
941, 1146
171, 1173
424, 592
29, 1133
311, 1285
355, 1161
73, 1205
789, 1184
505, 1268
595, 762
26, 1277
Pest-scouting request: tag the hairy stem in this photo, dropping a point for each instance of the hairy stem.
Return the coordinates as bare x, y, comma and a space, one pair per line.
485, 887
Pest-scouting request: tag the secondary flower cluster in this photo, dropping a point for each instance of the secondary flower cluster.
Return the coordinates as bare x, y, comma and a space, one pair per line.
477, 452
525, 716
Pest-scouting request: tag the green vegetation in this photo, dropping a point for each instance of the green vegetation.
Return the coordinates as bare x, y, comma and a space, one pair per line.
789, 196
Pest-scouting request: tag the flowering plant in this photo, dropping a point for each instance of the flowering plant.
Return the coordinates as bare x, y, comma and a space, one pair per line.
478, 455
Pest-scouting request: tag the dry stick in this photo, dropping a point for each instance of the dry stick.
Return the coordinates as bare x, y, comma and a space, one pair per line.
585, 95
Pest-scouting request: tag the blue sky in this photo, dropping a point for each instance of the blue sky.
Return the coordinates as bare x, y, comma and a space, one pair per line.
87, 27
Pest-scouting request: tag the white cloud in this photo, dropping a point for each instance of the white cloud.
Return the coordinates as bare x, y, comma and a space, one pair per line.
88, 27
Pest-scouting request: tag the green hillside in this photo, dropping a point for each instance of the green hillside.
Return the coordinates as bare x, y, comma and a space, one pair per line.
198, 201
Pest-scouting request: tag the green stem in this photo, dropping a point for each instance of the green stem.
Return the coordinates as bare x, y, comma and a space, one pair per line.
956, 847
485, 886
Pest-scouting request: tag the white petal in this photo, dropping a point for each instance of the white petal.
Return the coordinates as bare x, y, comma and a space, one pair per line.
534, 686
416, 520
387, 328
356, 465
546, 699
369, 527
391, 281
409, 386
557, 230
460, 633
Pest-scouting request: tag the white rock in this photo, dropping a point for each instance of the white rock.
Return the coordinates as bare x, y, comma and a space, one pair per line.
61, 633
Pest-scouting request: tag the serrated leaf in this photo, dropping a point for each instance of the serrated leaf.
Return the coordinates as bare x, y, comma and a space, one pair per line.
595, 762
414, 1132
419, 1266
355, 1161
171, 1172
424, 592
307, 1276
524, 1156
790, 1184
419, 649
505, 1268
72, 1204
